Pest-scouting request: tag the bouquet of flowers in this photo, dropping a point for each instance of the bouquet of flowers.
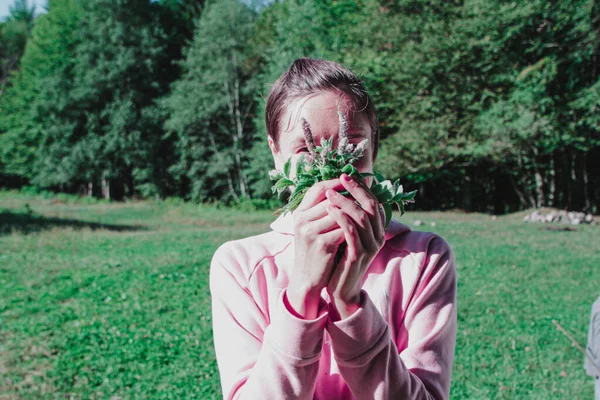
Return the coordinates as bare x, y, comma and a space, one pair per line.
323, 163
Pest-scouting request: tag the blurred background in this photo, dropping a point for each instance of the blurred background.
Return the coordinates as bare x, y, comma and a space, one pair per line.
132, 145
488, 106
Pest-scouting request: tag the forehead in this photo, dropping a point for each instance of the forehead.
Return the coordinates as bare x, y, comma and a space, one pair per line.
320, 110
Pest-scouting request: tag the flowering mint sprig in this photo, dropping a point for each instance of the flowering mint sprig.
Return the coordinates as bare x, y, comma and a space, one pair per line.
323, 163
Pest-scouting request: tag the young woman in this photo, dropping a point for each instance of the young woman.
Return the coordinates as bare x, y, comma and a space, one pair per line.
289, 322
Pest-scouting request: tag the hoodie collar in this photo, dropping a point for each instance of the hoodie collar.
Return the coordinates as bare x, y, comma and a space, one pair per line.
285, 224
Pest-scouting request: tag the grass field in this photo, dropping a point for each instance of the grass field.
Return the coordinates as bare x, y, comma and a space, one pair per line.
112, 300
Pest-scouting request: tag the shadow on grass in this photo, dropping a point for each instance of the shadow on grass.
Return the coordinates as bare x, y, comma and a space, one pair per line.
27, 223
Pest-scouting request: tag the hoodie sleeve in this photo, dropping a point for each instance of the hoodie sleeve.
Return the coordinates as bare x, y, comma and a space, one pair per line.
260, 356
368, 357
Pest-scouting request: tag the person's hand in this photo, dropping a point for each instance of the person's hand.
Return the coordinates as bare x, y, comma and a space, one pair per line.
362, 226
317, 237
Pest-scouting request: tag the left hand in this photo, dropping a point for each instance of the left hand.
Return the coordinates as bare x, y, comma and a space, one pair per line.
364, 235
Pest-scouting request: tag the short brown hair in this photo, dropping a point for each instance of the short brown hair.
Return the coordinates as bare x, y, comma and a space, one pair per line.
308, 76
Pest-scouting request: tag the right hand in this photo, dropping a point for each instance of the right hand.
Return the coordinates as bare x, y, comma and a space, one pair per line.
317, 237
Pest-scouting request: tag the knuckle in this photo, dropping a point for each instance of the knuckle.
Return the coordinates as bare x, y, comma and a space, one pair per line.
299, 220
319, 186
352, 257
305, 230
321, 242
372, 204
351, 229
363, 219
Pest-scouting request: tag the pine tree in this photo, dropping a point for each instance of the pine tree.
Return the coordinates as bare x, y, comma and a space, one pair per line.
106, 131
48, 57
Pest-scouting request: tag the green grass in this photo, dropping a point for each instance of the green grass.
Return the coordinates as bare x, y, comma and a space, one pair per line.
112, 300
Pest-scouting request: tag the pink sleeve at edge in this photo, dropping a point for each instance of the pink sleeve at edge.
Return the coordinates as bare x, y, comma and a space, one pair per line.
368, 356
258, 360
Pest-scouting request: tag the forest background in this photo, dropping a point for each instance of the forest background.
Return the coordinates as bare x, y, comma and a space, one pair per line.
485, 105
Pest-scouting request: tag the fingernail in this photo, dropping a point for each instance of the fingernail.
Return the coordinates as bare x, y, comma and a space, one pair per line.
346, 177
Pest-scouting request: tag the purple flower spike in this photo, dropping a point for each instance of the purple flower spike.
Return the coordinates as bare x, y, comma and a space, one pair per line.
343, 134
308, 136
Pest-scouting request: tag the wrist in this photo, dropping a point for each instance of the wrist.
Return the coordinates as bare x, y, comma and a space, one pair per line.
303, 301
346, 307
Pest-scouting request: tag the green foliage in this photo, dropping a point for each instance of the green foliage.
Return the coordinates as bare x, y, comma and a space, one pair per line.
101, 124
14, 32
44, 70
486, 106
210, 107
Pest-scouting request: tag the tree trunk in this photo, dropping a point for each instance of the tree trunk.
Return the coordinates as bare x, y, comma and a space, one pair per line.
235, 117
229, 178
539, 181
526, 197
90, 189
586, 184
231, 189
552, 183
105, 187
467, 200
240, 141
563, 178
520, 194
572, 180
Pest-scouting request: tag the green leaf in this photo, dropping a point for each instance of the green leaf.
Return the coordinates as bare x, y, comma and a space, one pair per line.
296, 199
378, 176
387, 185
307, 180
275, 175
303, 186
400, 195
300, 166
326, 143
387, 208
287, 167
283, 183
401, 206
409, 196
329, 172
377, 189
385, 196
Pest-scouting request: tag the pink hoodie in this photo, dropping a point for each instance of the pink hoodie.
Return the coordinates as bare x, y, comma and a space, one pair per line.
398, 345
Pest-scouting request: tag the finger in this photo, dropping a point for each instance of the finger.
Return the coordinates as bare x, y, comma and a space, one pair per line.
316, 193
317, 227
355, 247
367, 201
330, 241
313, 213
358, 216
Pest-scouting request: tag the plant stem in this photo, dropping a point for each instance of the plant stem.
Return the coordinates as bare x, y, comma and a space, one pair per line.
574, 342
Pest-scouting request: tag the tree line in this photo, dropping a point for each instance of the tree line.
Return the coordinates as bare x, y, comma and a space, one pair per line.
485, 105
